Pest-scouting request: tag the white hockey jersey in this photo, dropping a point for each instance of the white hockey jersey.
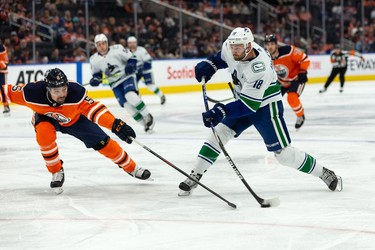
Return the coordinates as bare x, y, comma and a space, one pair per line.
255, 80
142, 57
112, 65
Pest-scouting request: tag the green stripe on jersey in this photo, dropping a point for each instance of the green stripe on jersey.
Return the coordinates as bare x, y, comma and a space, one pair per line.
208, 153
308, 164
272, 89
251, 104
277, 124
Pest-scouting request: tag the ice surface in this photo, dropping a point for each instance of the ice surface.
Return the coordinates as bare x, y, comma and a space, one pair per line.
104, 208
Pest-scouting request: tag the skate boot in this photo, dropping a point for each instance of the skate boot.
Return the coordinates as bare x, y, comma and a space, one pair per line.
57, 182
149, 123
299, 122
341, 90
333, 181
6, 110
162, 99
186, 187
140, 173
322, 90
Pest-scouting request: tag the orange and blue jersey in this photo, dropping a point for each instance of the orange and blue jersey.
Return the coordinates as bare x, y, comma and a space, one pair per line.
35, 96
289, 63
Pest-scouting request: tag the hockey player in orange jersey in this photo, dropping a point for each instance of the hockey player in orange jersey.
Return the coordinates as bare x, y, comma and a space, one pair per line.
62, 105
291, 67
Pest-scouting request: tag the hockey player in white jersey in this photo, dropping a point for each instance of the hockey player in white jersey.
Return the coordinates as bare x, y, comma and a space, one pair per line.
144, 67
117, 65
258, 103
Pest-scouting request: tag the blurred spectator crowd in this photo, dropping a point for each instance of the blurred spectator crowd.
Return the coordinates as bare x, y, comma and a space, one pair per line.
60, 35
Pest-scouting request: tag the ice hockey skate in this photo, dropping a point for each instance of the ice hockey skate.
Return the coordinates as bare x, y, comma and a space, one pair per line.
6, 111
333, 181
142, 174
149, 123
322, 90
186, 187
57, 182
299, 122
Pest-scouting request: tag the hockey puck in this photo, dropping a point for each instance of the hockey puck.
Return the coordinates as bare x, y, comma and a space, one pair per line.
265, 205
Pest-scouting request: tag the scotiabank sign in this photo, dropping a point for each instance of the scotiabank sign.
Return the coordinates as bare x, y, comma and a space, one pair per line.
178, 73
181, 72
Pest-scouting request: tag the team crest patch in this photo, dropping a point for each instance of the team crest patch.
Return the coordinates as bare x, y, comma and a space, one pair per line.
258, 67
282, 71
58, 117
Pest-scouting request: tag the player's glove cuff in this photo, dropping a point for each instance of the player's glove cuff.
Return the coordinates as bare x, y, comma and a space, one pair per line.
214, 115
123, 131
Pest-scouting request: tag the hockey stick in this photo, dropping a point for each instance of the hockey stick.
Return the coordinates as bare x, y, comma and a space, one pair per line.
223, 100
217, 101
181, 171
263, 202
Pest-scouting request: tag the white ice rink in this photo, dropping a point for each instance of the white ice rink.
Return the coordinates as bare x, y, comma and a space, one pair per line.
104, 208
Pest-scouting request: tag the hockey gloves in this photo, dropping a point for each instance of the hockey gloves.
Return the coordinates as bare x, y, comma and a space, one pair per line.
214, 115
95, 82
129, 69
123, 131
131, 66
205, 69
302, 76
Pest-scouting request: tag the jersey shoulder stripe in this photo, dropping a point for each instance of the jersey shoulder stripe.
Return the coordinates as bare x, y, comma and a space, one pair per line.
285, 50
76, 93
32, 93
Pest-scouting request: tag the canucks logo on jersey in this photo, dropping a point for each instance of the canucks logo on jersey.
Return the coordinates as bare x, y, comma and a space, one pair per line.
110, 69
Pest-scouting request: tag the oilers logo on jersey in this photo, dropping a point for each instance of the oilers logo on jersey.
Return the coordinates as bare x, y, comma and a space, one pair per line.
282, 71
58, 117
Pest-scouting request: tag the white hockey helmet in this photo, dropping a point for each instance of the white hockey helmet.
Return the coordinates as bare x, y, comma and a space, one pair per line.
100, 38
241, 36
132, 39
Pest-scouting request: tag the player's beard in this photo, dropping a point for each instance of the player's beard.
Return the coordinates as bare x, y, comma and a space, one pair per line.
60, 100
239, 57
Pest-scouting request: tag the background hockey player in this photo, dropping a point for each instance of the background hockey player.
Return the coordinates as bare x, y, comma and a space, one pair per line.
291, 67
258, 103
62, 105
144, 67
3, 71
118, 66
339, 60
